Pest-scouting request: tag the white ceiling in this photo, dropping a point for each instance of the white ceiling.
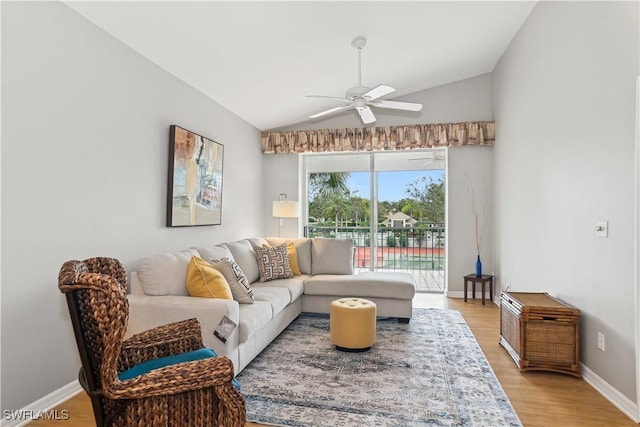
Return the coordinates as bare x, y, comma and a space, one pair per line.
260, 59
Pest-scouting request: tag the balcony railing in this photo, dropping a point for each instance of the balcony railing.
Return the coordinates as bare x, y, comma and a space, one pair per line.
419, 250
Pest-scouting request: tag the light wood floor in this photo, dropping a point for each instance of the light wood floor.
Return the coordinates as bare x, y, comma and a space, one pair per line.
541, 399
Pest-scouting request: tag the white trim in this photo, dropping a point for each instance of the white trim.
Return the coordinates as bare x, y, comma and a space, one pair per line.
45, 403
620, 401
636, 245
446, 221
303, 185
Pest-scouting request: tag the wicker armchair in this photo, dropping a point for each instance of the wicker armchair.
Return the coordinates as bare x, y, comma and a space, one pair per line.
197, 393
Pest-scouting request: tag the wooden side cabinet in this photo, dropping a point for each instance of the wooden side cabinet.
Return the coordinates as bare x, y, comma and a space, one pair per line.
540, 332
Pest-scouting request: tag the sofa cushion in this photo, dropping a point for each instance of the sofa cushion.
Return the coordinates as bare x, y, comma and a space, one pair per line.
273, 262
378, 284
278, 297
331, 256
165, 274
204, 281
253, 317
258, 241
303, 250
214, 252
243, 254
238, 282
294, 285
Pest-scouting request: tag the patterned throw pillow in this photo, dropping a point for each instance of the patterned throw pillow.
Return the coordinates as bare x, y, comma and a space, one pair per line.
273, 262
293, 257
238, 282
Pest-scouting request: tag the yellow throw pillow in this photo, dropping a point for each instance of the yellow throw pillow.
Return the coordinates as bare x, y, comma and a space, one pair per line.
204, 281
292, 254
293, 259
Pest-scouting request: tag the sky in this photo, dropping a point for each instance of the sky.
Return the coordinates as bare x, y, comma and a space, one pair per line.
391, 185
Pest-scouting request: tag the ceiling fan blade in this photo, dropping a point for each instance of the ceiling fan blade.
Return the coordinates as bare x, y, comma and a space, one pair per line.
378, 91
366, 115
408, 106
330, 111
330, 97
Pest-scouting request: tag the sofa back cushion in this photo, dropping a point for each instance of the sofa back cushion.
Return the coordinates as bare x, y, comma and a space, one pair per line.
244, 256
303, 250
331, 256
165, 274
214, 252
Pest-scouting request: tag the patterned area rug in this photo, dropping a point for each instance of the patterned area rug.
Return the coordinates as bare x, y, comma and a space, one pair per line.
430, 372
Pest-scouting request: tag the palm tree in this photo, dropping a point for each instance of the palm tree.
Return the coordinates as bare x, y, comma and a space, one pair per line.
337, 206
328, 184
360, 208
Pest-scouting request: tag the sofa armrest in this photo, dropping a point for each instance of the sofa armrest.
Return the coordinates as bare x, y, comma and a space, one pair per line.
151, 311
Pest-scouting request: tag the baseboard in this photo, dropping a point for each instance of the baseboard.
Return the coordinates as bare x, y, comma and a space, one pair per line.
628, 407
460, 294
41, 408
455, 294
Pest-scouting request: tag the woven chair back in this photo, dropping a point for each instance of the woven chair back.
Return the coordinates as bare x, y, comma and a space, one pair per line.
96, 296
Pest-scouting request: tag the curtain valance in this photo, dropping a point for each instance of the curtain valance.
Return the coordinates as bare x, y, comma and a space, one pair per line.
405, 137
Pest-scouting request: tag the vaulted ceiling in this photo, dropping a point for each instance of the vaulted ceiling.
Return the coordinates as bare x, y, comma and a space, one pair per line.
261, 59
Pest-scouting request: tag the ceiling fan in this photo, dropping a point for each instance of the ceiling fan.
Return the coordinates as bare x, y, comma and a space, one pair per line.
362, 98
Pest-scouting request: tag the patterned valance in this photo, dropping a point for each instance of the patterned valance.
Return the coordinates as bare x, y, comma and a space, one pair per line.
385, 138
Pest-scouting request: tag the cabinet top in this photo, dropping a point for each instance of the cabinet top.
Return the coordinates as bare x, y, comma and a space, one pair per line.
536, 299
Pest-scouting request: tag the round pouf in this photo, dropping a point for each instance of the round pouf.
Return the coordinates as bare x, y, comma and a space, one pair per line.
352, 324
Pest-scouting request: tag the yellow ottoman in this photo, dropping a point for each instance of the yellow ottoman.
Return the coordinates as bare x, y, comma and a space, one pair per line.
352, 324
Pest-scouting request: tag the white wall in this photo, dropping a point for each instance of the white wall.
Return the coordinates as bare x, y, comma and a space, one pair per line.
85, 126
281, 176
476, 164
564, 105
466, 100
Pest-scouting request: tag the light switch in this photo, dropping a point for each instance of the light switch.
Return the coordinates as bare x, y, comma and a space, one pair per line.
602, 228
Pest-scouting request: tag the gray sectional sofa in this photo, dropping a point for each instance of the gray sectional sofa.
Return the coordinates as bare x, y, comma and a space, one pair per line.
158, 293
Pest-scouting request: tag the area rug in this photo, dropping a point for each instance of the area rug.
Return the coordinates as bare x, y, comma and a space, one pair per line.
430, 372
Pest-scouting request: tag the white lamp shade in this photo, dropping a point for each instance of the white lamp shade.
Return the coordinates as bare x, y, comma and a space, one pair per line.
285, 209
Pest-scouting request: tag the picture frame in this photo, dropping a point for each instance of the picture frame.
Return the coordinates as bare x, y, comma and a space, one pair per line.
194, 193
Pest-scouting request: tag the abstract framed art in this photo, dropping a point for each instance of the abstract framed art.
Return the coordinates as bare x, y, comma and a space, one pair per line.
194, 195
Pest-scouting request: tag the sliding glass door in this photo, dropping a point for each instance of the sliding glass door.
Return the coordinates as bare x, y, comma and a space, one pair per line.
390, 204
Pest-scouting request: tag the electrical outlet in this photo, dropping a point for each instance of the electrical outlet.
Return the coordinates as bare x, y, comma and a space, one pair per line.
600, 341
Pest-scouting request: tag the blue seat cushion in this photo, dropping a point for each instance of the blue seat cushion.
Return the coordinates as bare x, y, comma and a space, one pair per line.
150, 365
